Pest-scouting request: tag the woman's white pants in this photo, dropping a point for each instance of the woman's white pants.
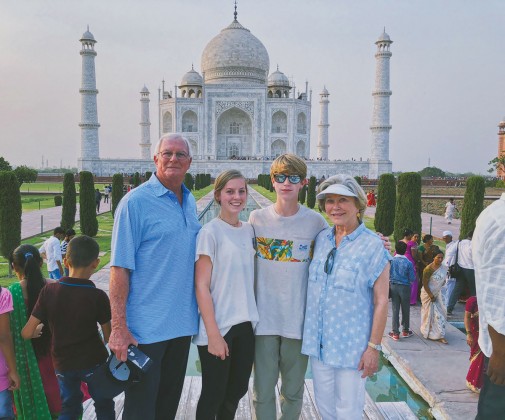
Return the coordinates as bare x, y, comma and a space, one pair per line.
339, 393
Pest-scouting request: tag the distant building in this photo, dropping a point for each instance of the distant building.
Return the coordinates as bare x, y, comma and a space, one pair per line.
235, 111
500, 172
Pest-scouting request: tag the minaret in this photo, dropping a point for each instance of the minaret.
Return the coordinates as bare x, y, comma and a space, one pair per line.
322, 144
379, 159
89, 117
500, 172
145, 125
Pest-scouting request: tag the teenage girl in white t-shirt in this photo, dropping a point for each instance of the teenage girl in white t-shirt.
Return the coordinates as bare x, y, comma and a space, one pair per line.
224, 281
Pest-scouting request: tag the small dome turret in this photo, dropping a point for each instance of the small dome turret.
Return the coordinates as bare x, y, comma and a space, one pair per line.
87, 36
191, 78
278, 78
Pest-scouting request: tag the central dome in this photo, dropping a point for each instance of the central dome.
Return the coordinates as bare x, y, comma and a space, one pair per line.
235, 55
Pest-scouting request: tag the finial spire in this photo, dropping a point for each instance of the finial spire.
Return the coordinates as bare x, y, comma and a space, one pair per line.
235, 13
192, 66
277, 67
87, 28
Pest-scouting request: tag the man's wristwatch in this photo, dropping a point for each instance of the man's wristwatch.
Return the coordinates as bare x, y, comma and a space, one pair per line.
377, 347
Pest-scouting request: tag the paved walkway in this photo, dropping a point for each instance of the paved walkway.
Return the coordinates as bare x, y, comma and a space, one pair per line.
438, 223
38, 221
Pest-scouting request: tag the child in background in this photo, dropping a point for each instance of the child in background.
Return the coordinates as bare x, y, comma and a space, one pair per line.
401, 276
9, 379
72, 308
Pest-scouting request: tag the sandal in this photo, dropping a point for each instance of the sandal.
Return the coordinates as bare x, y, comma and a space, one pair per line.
443, 341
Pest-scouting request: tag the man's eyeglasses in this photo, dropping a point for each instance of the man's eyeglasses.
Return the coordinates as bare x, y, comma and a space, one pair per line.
166, 155
293, 179
330, 260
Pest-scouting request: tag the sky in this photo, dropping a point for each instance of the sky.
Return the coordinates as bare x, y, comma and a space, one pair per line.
447, 73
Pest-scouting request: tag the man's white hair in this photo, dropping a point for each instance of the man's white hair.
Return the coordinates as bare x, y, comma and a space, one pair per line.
172, 136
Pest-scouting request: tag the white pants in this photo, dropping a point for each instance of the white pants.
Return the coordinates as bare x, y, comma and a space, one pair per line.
449, 287
339, 393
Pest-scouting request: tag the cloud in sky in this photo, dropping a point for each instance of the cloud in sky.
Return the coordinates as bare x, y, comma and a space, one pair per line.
446, 71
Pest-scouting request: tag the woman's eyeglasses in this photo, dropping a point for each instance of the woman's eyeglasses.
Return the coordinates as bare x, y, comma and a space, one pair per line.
293, 179
330, 260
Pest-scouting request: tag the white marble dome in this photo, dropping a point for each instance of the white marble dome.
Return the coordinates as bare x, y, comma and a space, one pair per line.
278, 78
192, 78
235, 55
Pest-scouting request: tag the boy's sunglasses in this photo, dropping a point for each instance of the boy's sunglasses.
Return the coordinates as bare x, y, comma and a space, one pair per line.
293, 179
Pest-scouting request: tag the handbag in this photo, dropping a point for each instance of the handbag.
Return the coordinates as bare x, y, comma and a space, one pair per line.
455, 270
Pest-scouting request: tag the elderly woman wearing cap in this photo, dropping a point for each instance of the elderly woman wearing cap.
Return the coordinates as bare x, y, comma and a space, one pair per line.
347, 302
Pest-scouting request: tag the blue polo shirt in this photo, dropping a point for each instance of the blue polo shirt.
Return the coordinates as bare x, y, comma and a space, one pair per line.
155, 238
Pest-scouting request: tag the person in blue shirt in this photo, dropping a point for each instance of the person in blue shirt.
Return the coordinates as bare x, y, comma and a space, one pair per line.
152, 280
401, 276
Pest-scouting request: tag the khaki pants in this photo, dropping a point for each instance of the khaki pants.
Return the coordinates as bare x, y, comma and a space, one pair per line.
273, 355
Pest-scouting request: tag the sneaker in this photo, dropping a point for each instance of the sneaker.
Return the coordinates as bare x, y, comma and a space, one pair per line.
394, 336
407, 333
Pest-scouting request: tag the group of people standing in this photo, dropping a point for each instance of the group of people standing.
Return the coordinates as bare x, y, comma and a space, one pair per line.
266, 292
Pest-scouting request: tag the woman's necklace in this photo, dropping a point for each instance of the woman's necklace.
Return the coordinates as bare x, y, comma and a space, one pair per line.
236, 224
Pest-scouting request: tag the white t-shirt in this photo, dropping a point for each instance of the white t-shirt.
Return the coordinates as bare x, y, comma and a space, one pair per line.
53, 252
231, 250
284, 250
465, 254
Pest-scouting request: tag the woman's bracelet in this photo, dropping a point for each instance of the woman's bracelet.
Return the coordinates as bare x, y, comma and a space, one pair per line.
468, 333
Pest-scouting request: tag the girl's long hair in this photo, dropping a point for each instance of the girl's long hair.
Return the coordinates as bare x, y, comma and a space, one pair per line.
27, 258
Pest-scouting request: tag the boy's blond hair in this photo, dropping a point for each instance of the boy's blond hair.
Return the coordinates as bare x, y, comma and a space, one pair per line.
290, 165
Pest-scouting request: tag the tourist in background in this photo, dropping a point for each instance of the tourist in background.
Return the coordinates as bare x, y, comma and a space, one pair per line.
224, 282
401, 276
488, 251
411, 254
450, 207
98, 199
475, 376
51, 249
69, 234
425, 253
449, 259
466, 280
39, 394
433, 310
347, 302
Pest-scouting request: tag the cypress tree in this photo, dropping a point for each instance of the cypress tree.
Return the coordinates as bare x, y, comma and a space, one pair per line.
386, 205
302, 194
408, 204
87, 206
209, 179
311, 192
69, 202
10, 214
473, 204
136, 180
358, 179
147, 176
117, 191
197, 182
188, 181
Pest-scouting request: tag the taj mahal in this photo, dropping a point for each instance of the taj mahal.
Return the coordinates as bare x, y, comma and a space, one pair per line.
236, 110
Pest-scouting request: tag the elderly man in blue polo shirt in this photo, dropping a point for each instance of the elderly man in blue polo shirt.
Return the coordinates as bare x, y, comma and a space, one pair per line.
151, 282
